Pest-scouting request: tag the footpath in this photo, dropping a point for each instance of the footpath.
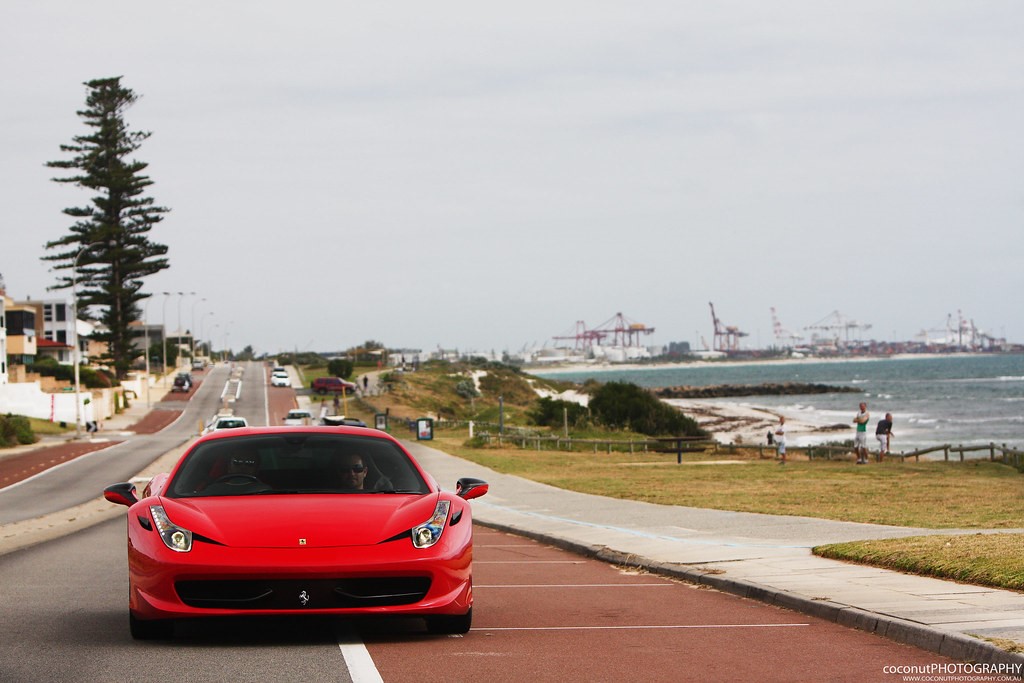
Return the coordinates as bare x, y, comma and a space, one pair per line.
761, 557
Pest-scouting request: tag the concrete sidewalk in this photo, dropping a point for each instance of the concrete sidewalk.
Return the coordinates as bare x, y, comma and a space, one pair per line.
764, 557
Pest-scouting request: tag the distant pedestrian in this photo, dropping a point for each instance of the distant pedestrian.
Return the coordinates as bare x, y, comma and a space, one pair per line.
366, 383
771, 437
860, 439
780, 439
883, 432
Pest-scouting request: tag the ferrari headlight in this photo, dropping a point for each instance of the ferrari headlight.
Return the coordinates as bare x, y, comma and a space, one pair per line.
174, 537
429, 533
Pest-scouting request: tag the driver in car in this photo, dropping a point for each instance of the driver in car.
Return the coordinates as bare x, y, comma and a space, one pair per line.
351, 469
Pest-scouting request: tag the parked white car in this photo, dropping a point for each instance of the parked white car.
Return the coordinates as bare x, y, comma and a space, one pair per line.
298, 417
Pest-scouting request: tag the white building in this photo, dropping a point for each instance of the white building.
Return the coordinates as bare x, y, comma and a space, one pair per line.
54, 323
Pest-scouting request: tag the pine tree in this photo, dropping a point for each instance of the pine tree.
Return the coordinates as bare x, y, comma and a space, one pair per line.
109, 236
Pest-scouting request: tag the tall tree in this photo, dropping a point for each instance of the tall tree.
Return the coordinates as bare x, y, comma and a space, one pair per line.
108, 241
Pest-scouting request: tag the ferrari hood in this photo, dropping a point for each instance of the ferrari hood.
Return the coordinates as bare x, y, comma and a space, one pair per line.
287, 521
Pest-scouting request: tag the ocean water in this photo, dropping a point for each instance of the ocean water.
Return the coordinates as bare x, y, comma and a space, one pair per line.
935, 400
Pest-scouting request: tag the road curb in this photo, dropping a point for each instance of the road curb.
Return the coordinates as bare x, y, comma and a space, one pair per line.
948, 644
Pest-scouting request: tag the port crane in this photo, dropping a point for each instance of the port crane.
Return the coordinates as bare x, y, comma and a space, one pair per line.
583, 338
784, 337
622, 331
726, 337
837, 328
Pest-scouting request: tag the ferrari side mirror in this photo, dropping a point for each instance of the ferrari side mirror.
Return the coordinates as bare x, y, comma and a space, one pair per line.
470, 488
122, 494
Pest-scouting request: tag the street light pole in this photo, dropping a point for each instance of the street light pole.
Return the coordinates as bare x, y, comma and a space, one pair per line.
145, 330
213, 331
163, 336
193, 331
227, 336
177, 339
202, 329
76, 353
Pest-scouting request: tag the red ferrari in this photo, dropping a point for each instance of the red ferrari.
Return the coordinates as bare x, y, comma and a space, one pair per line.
298, 520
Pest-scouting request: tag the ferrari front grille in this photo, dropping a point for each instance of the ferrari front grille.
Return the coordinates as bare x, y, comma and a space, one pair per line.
288, 594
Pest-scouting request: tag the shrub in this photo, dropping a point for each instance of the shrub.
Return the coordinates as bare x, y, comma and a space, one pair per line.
622, 405
340, 367
476, 442
15, 429
549, 412
90, 378
466, 389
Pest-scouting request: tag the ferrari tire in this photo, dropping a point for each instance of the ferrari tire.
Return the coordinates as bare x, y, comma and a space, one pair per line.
160, 629
449, 624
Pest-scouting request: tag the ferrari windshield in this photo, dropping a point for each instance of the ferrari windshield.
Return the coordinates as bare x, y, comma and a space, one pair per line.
296, 462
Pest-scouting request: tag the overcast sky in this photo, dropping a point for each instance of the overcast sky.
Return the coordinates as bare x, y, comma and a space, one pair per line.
481, 175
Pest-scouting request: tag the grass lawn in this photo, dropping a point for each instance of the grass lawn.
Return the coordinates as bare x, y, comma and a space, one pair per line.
984, 559
41, 427
935, 495
939, 495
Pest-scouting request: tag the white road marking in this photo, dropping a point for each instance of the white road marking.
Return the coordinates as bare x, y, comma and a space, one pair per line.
357, 658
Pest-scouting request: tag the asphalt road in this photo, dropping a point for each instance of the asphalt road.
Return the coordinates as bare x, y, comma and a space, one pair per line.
541, 614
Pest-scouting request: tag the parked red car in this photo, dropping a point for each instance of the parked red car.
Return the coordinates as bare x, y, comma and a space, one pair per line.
263, 521
322, 385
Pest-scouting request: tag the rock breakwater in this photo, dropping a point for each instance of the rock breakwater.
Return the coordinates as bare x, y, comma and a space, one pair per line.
770, 389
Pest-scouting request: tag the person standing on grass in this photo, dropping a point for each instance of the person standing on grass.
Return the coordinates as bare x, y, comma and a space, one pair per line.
883, 432
860, 439
780, 439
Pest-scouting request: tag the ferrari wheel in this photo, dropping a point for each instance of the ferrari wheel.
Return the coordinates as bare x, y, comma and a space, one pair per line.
450, 623
161, 629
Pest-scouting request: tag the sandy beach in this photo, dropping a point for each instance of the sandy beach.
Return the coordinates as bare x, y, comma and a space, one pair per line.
749, 425
729, 424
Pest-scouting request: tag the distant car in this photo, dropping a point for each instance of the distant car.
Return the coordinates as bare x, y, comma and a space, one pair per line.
336, 385
198, 364
183, 382
280, 379
289, 521
226, 422
298, 417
